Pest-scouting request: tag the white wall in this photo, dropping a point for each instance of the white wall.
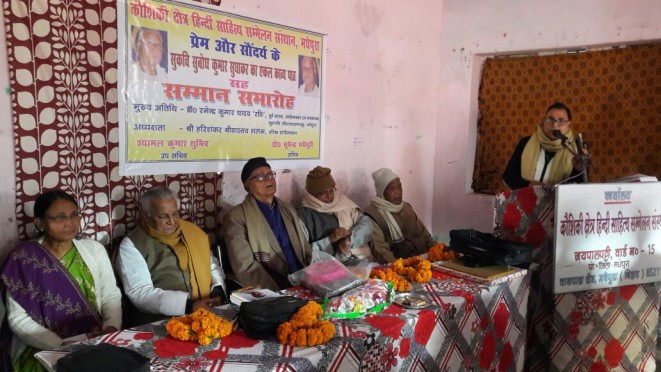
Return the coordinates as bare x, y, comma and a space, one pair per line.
471, 29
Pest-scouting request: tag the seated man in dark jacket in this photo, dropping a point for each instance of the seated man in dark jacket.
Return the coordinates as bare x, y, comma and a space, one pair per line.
395, 221
165, 264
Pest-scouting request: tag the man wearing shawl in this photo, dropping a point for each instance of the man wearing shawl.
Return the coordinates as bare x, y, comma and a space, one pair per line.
165, 264
264, 237
541, 159
334, 224
396, 223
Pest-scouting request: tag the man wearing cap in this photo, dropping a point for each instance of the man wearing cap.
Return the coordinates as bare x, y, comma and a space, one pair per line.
334, 224
395, 220
264, 237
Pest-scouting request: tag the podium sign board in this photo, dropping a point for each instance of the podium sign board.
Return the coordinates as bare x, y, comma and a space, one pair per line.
607, 235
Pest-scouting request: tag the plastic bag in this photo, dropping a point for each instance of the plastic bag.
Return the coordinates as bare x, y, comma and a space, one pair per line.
325, 275
371, 297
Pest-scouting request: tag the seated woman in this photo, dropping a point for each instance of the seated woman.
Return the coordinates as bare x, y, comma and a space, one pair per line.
333, 223
57, 286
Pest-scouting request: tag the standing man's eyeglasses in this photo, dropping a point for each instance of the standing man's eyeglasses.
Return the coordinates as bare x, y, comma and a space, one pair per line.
560, 121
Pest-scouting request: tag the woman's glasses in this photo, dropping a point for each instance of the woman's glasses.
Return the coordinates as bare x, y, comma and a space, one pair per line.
60, 218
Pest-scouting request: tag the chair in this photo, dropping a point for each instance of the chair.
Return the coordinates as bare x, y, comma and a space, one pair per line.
231, 282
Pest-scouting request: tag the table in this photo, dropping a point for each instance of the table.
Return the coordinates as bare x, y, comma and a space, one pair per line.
468, 326
612, 329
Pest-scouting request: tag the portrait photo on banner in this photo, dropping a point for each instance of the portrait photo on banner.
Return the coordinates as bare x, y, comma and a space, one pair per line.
149, 53
308, 76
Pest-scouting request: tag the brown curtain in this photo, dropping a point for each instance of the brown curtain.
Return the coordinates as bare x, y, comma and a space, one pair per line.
63, 76
614, 95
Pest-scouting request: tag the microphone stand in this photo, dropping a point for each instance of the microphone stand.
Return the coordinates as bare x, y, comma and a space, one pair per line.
584, 160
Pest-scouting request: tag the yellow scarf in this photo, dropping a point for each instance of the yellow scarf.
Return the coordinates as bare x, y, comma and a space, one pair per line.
191, 245
561, 166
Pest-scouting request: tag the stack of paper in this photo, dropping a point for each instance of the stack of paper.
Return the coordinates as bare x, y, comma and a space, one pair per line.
635, 178
248, 294
487, 275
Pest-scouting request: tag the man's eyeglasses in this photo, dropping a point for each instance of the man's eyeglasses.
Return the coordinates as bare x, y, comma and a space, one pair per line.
60, 219
151, 46
552, 121
262, 177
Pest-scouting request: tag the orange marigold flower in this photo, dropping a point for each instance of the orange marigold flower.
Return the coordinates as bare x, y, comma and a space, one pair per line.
202, 326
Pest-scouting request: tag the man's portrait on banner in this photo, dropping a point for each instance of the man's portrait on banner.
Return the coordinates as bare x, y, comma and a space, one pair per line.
308, 76
149, 54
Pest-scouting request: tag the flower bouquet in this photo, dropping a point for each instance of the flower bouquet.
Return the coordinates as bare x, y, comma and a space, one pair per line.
202, 326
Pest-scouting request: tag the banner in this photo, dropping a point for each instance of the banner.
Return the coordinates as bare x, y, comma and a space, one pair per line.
607, 235
202, 90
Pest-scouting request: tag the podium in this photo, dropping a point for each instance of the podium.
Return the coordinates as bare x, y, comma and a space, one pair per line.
601, 329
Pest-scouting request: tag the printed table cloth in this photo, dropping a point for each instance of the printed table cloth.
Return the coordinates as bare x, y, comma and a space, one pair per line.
468, 326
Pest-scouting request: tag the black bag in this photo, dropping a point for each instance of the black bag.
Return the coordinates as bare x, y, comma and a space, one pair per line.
260, 318
483, 249
103, 358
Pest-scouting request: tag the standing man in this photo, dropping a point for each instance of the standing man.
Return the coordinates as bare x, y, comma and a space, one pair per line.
543, 158
165, 264
264, 237
395, 221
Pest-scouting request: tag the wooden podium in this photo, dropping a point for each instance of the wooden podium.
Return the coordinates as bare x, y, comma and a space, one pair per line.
602, 329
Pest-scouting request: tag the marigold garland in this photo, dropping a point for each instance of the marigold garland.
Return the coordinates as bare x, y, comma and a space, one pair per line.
201, 326
389, 275
416, 269
305, 328
440, 252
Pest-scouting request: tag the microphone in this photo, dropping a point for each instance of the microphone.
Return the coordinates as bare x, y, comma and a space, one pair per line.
579, 144
558, 134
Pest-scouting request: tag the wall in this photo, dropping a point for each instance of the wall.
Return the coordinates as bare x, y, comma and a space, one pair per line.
472, 29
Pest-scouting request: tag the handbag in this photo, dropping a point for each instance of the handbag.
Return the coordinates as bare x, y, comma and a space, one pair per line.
260, 319
103, 358
484, 249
